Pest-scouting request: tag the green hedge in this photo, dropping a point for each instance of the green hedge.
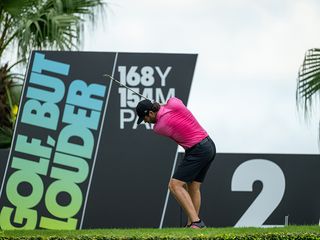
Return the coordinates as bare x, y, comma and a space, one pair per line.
195, 236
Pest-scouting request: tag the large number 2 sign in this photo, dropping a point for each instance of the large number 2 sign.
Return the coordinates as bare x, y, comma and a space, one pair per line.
273, 181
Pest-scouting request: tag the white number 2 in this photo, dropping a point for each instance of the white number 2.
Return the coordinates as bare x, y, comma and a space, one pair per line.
273, 181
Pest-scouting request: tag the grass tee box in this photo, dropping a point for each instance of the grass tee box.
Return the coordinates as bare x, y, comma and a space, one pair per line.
290, 232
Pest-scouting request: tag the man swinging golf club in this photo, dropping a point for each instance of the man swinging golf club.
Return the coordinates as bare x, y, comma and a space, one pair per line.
175, 121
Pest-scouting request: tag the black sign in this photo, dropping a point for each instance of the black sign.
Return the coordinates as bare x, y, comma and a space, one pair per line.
240, 190
257, 190
134, 164
73, 122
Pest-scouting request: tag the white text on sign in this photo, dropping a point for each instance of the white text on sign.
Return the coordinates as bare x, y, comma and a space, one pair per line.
147, 77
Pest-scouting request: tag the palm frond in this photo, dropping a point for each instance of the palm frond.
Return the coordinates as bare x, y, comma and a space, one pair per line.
17, 8
57, 24
308, 84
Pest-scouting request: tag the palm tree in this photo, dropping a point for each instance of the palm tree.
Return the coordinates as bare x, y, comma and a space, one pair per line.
308, 88
36, 24
53, 24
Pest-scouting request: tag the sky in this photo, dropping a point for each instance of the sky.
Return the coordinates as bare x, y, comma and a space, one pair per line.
249, 54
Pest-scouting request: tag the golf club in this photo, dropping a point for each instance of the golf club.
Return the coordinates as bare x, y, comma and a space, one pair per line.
117, 81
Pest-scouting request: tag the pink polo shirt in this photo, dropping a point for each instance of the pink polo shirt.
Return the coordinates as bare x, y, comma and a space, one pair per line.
175, 121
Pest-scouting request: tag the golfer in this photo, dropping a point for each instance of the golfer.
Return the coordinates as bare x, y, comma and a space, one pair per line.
175, 121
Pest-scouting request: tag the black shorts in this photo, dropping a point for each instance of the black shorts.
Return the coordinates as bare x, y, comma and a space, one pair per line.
196, 162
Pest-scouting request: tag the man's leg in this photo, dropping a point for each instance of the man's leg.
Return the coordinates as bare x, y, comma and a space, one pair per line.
195, 195
180, 193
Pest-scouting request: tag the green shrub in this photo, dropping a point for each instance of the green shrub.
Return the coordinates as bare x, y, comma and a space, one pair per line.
160, 236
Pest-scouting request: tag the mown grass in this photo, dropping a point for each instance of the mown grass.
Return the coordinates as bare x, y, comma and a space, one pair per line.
167, 233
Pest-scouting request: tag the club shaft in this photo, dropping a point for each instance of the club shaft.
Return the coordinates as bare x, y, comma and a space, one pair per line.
115, 80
